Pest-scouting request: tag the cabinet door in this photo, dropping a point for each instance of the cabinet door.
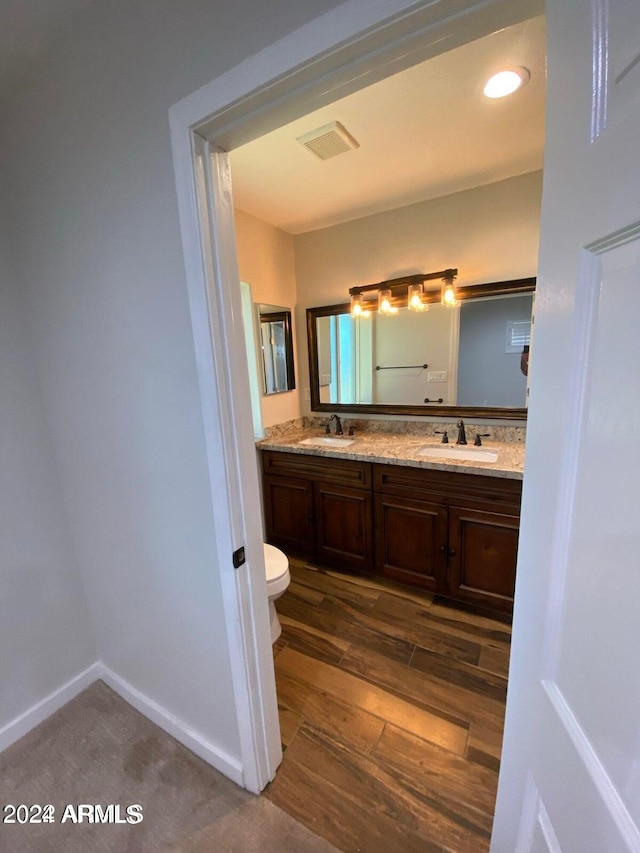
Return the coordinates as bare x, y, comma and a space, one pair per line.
483, 550
289, 513
411, 541
344, 526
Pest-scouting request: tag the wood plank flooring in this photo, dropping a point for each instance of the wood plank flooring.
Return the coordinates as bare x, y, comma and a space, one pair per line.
391, 712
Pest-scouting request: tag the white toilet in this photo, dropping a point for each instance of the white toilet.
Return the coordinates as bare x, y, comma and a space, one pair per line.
278, 579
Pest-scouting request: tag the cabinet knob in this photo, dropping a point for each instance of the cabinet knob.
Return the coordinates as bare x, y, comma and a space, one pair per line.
442, 549
452, 552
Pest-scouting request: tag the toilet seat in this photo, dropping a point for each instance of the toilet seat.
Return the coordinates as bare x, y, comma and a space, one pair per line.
277, 569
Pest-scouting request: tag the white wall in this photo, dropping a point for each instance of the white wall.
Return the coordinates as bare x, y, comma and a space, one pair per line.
266, 261
45, 633
85, 148
490, 233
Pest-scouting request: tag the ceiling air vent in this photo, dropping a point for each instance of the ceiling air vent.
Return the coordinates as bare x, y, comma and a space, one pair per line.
328, 141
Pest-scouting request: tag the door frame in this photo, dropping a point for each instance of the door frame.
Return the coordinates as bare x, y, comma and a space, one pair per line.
342, 51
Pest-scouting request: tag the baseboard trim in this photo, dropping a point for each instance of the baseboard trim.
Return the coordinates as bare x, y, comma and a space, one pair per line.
175, 727
39, 712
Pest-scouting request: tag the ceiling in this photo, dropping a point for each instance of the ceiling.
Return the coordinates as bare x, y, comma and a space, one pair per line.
423, 133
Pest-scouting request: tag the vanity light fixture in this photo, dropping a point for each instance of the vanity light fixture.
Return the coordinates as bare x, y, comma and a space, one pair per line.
390, 294
415, 298
356, 305
385, 303
358, 308
448, 295
506, 82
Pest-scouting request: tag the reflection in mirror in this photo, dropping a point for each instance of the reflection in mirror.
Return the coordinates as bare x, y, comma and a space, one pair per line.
493, 335
276, 345
462, 360
345, 352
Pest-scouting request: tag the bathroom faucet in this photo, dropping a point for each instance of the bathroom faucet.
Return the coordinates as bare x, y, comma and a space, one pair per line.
462, 436
338, 424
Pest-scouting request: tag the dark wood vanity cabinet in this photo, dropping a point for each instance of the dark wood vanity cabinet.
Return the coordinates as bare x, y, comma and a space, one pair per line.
457, 534
320, 507
483, 548
343, 526
451, 533
289, 516
411, 540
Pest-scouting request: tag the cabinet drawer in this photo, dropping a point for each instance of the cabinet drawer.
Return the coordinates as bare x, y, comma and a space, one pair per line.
445, 486
350, 473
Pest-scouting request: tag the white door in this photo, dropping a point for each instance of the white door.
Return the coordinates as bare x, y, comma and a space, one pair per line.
570, 777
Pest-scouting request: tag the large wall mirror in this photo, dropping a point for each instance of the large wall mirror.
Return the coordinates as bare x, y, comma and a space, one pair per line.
276, 346
470, 360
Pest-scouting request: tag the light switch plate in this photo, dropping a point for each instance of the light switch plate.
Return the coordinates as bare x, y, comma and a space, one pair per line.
436, 376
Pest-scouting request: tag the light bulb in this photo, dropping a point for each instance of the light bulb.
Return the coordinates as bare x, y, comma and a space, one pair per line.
448, 295
384, 302
415, 297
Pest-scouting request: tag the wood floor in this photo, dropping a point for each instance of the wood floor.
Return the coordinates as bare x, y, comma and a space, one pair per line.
391, 710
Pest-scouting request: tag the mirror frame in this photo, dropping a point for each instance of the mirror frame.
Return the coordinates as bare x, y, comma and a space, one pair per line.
285, 316
496, 288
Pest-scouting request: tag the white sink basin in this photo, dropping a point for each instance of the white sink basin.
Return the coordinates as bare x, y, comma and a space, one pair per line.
327, 441
455, 451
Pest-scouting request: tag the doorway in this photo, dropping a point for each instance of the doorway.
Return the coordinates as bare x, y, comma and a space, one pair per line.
339, 53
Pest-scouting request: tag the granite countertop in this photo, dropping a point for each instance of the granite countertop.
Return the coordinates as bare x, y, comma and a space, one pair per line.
402, 450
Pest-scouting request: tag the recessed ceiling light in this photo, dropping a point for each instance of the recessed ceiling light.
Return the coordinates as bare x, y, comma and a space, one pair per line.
505, 82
